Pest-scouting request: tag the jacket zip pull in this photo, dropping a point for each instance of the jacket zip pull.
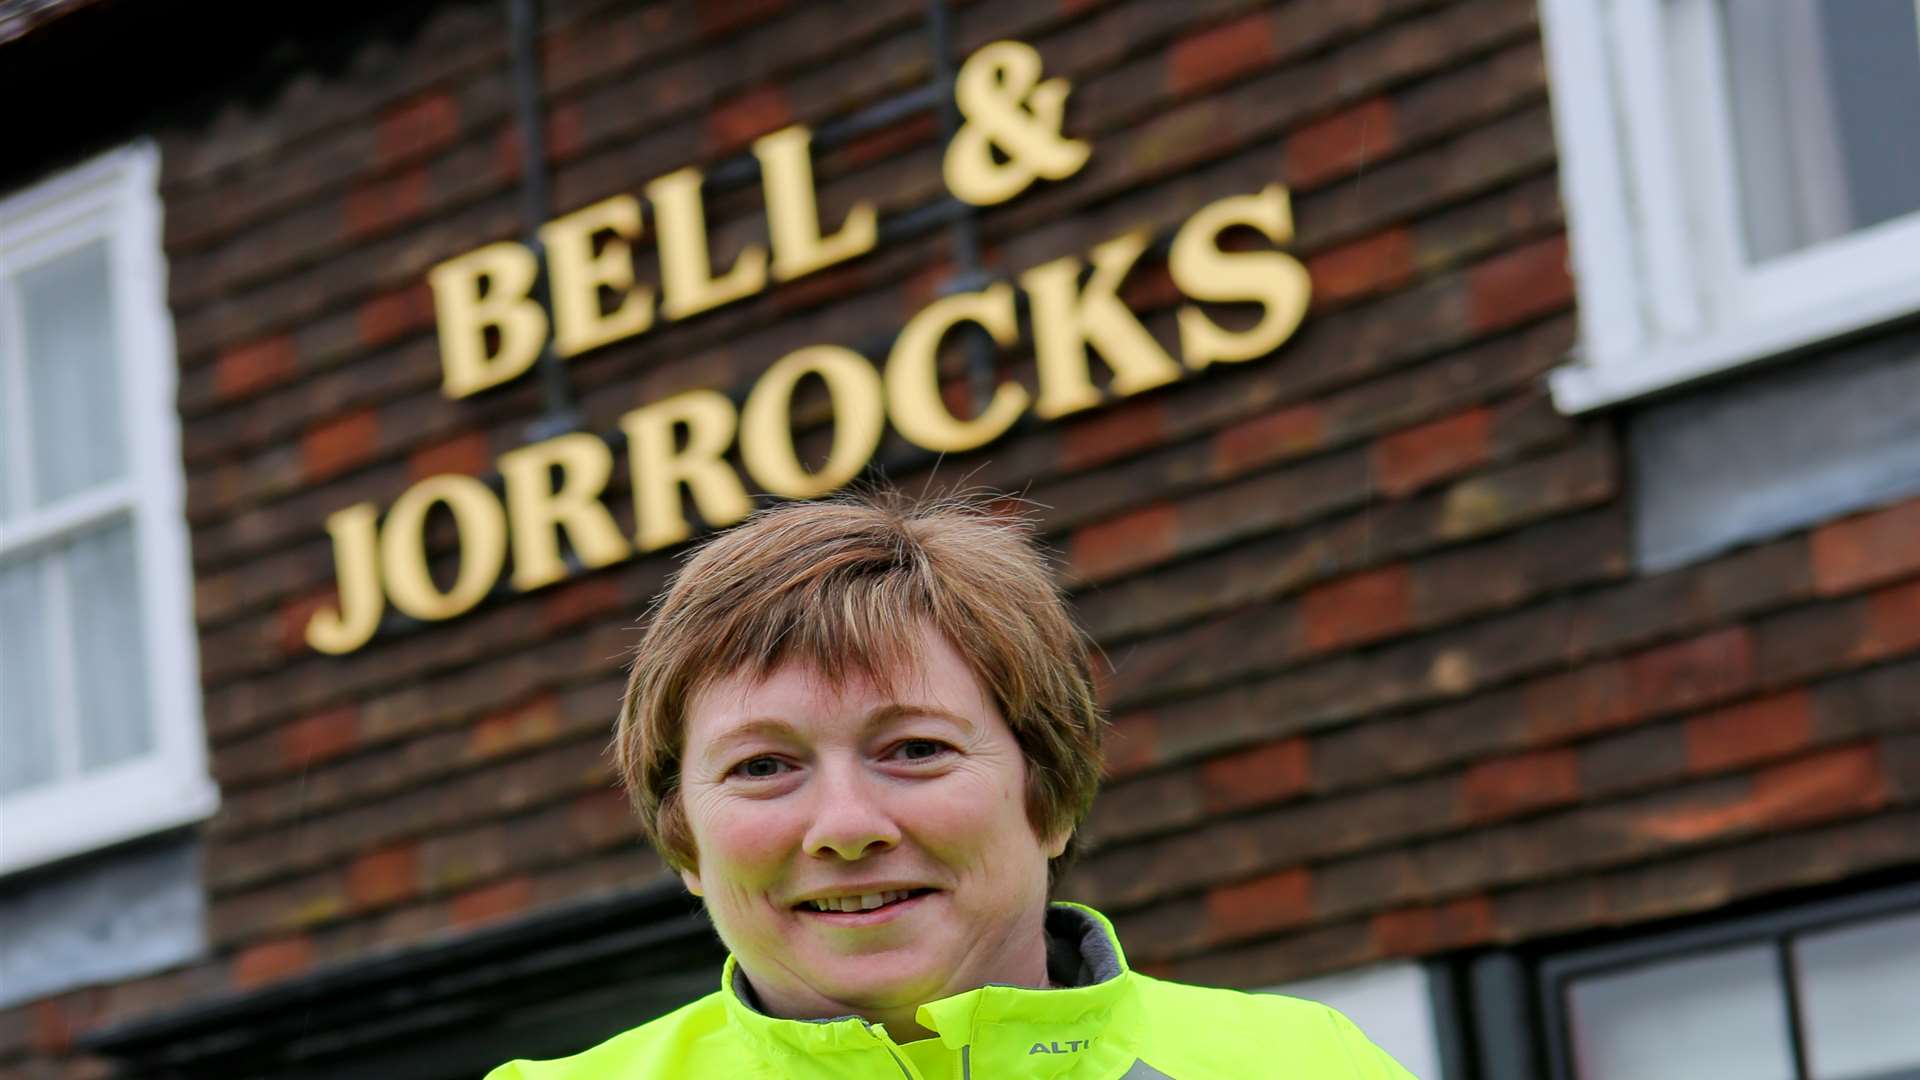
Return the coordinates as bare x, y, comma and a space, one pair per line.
888, 1044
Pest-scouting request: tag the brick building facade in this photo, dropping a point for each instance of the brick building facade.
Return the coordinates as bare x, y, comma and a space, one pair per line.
1408, 683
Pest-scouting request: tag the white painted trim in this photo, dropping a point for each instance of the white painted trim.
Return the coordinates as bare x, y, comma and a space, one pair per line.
129, 800
1605, 381
1652, 198
50, 525
1661, 226
116, 196
13, 395
1592, 177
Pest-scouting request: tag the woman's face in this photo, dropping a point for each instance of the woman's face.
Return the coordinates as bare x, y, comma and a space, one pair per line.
798, 792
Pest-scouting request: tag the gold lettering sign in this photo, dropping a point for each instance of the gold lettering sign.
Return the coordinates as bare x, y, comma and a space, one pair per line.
491, 331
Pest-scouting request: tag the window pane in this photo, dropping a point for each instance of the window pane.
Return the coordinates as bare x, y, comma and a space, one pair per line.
109, 650
73, 392
26, 695
1860, 995
1823, 93
1717, 1016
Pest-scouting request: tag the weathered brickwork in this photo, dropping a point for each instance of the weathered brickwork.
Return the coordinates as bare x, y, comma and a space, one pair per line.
1384, 679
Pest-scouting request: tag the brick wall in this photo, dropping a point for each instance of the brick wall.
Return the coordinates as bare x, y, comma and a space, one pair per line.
1383, 678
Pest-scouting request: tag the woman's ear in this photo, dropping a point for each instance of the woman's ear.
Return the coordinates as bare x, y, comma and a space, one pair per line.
691, 879
1055, 845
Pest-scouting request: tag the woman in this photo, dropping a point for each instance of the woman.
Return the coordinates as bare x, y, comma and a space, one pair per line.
864, 735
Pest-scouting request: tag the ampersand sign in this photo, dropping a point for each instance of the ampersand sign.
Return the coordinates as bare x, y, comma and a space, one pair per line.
1007, 106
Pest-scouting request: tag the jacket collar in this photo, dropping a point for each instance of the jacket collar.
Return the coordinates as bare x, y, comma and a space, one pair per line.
1091, 1013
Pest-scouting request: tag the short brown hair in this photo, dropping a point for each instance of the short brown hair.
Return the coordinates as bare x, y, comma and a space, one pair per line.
840, 585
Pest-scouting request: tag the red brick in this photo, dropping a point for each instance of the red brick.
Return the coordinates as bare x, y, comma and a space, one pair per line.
957, 394
295, 614
1381, 261
1691, 673
383, 877
820, 287
1112, 433
1256, 777
469, 453
725, 16
1409, 460
418, 127
272, 961
895, 138
740, 120
377, 206
508, 155
1753, 732
576, 602
1124, 544
1892, 623
250, 368
1360, 608
566, 132
1513, 785
926, 285
1151, 288
1132, 743
1220, 54
320, 737
338, 445
1831, 784
1271, 437
56, 1020
603, 818
1867, 549
527, 724
1346, 141
1421, 931
392, 315
492, 902
1519, 285
1578, 703
1263, 905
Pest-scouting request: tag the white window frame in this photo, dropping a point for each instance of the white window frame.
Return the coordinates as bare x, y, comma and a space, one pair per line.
115, 198
1653, 205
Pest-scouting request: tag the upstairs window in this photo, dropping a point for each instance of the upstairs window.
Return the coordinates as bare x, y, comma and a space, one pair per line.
99, 694
1825, 992
1742, 180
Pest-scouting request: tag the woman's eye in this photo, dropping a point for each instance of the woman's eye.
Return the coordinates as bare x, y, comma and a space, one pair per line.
760, 768
919, 749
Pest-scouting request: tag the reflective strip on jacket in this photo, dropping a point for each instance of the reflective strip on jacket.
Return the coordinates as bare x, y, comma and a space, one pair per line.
1108, 1023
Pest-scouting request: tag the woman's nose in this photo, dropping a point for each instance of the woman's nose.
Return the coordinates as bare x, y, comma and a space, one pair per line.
851, 818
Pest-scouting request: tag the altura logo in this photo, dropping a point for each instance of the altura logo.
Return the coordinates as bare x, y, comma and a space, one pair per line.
1069, 1047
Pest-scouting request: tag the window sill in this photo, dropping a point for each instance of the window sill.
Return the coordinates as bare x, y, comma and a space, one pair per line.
1612, 379
104, 809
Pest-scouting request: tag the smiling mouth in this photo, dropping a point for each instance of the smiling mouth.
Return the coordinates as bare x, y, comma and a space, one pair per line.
860, 904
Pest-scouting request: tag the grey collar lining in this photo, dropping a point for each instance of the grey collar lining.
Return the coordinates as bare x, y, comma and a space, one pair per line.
1079, 953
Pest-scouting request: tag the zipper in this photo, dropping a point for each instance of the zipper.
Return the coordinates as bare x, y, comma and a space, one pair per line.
888, 1044
966, 1062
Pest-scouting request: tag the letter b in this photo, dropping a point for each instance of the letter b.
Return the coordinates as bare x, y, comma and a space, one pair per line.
483, 289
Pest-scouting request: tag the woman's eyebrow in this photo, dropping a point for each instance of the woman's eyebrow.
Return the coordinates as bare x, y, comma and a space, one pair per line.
768, 727
758, 727
904, 710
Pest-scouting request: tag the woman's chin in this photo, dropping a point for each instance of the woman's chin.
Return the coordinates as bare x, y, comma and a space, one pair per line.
880, 980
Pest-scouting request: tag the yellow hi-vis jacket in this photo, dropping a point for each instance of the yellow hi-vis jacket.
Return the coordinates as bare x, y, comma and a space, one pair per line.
1105, 1023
